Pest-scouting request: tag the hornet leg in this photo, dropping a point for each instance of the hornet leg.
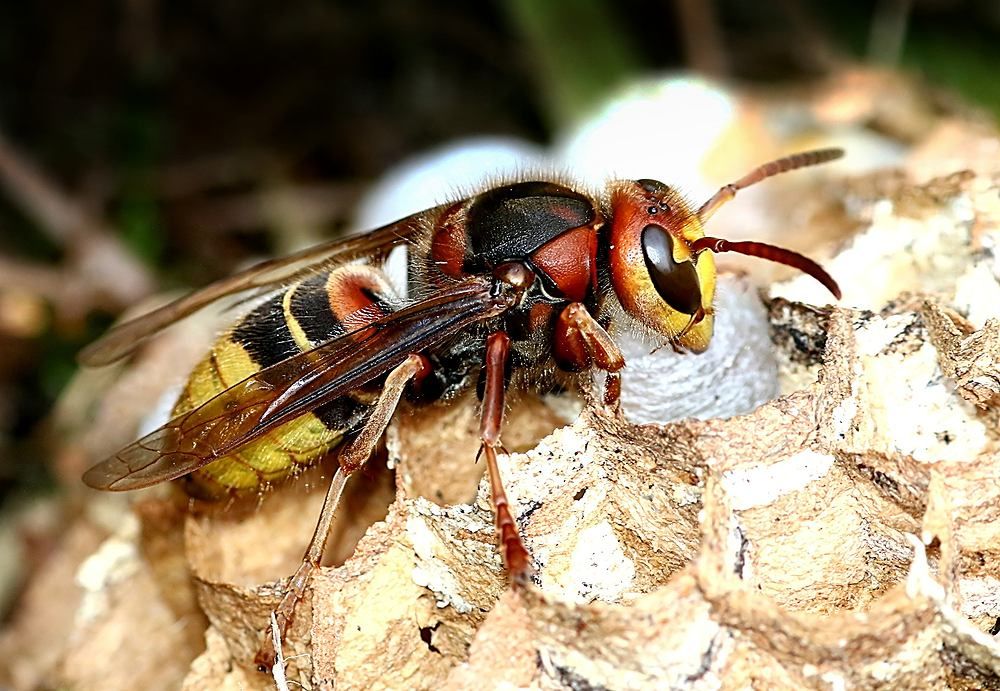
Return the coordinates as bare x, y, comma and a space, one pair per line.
582, 343
515, 556
351, 458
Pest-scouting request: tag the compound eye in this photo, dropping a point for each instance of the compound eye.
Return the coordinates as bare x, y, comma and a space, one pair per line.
676, 282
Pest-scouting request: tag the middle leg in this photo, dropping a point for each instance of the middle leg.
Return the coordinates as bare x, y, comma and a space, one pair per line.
512, 549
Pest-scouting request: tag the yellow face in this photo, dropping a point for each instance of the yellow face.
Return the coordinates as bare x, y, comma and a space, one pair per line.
655, 275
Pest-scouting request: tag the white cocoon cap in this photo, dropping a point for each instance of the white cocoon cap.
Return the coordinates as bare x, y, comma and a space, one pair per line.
736, 374
658, 128
448, 173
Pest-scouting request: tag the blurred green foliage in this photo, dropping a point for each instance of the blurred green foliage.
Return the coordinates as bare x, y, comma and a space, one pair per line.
968, 64
582, 52
953, 45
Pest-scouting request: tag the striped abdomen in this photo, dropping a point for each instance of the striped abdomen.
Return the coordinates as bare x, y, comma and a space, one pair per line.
306, 314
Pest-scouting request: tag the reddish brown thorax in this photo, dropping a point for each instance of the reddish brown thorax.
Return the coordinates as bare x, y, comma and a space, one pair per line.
571, 262
448, 241
548, 226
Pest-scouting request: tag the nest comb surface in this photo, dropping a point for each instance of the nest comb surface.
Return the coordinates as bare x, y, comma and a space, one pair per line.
843, 535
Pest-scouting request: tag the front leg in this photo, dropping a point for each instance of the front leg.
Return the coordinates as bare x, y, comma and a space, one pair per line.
581, 343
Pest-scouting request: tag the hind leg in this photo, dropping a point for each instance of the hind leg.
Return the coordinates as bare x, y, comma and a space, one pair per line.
352, 457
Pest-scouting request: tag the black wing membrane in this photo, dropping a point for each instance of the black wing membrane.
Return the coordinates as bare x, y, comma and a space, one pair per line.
123, 339
260, 403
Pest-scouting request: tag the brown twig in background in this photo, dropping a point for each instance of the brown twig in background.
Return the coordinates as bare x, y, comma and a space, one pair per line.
56, 214
193, 177
888, 31
813, 43
50, 283
98, 272
314, 205
703, 45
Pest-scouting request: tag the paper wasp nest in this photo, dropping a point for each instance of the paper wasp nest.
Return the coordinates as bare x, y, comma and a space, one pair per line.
845, 534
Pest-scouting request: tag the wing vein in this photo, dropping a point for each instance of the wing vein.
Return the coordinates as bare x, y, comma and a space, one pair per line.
275, 395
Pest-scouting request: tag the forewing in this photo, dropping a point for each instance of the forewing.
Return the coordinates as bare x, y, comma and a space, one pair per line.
124, 338
277, 394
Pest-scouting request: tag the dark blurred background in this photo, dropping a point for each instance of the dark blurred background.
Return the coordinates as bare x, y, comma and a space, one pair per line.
147, 144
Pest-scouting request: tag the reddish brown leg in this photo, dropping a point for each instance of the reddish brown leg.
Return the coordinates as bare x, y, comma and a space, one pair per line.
356, 454
582, 343
515, 556
351, 457
613, 392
